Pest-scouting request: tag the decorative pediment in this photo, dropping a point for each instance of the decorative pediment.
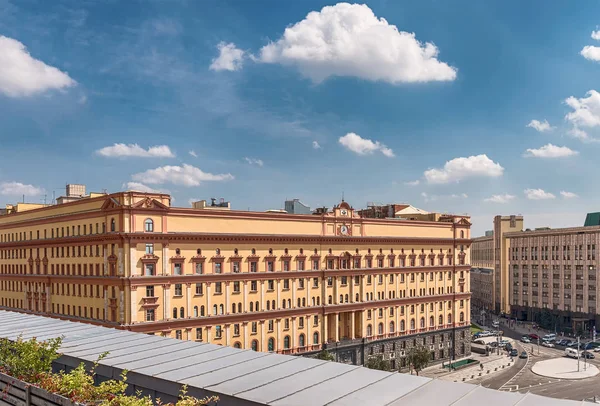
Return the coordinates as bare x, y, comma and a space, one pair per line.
464, 222
149, 203
110, 203
112, 258
149, 258
177, 258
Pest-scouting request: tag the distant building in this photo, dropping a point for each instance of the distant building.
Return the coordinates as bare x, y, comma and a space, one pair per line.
295, 206
400, 211
482, 282
489, 233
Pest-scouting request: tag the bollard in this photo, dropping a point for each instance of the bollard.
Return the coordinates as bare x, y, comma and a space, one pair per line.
472, 376
488, 371
495, 369
464, 379
480, 374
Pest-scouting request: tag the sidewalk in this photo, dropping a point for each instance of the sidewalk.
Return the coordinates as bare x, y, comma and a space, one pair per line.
491, 364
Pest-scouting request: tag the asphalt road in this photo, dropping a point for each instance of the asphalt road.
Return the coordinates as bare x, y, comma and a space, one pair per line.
520, 378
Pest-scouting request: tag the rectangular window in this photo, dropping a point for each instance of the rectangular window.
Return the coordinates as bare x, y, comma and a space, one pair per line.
178, 289
236, 286
218, 266
236, 329
316, 265
149, 269
316, 321
218, 287
199, 289
286, 283
235, 267
177, 269
315, 282
254, 327
149, 249
149, 314
199, 268
253, 266
270, 284
253, 286
149, 291
270, 266
218, 332
199, 334
301, 265
300, 283
286, 266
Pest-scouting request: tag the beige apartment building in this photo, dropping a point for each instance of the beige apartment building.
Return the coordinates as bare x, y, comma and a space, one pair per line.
264, 281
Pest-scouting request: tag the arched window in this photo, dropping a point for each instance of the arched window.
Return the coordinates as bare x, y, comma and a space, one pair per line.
268, 305
392, 327
254, 345
271, 344
318, 300
315, 338
148, 225
357, 298
113, 225
253, 251
182, 312
303, 302
422, 323
195, 311
283, 303
214, 310
233, 308
174, 312
286, 342
402, 325
346, 298
330, 300
299, 302
273, 304
256, 306
218, 251
431, 321
290, 303
449, 319
202, 310
313, 300
301, 340
239, 307
237, 345
220, 309
369, 330
462, 234
341, 298
251, 306
441, 320
462, 316
380, 328
412, 324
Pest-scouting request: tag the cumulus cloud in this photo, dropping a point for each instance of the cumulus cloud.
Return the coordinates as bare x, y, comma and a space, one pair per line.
586, 110
591, 53
538, 194
432, 198
595, 35
568, 195
254, 161
185, 175
139, 187
193, 153
505, 198
22, 75
230, 58
349, 40
364, 146
540, 126
134, 150
316, 145
458, 169
550, 151
413, 183
19, 189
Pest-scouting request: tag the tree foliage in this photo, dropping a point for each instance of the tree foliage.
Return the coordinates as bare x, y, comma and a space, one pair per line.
31, 361
419, 357
377, 362
325, 356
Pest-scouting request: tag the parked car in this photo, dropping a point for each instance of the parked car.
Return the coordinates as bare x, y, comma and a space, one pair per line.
571, 344
479, 341
534, 336
548, 344
588, 355
525, 339
514, 352
549, 337
565, 342
523, 355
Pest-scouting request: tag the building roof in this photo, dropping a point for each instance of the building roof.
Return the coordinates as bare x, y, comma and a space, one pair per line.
246, 377
408, 210
592, 219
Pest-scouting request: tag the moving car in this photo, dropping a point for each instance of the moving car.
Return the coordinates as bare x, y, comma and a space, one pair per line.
549, 337
534, 336
588, 355
523, 355
525, 339
548, 344
514, 352
479, 341
571, 352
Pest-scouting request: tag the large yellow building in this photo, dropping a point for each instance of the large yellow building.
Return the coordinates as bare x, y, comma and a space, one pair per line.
266, 281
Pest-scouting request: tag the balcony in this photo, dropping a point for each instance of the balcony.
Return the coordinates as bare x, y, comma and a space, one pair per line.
150, 301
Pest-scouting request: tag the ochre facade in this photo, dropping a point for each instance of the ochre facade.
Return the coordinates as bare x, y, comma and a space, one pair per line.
266, 281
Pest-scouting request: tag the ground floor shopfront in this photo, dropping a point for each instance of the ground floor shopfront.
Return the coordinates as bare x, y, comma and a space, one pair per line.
558, 320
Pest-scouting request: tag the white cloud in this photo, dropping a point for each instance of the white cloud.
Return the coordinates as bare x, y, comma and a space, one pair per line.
550, 151
254, 161
364, 146
19, 189
134, 150
413, 183
432, 198
540, 126
185, 175
568, 195
193, 153
349, 40
316, 145
139, 187
22, 75
505, 198
595, 35
538, 194
230, 58
591, 53
458, 169
586, 111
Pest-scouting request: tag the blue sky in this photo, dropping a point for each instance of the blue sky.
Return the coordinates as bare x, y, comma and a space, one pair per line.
120, 94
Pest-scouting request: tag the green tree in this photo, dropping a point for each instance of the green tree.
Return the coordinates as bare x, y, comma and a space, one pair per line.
419, 358
377, 362
325, 356
26, 359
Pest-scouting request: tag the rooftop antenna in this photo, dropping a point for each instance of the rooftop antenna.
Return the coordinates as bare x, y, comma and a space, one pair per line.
342, 195
23, 198
45, 199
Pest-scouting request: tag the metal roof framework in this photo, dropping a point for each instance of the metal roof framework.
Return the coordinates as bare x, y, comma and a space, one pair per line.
159, 366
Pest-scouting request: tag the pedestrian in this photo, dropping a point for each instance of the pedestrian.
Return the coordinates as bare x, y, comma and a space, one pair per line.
481, 366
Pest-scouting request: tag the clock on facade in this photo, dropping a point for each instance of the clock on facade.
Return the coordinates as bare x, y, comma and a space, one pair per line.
344, 229
343, 212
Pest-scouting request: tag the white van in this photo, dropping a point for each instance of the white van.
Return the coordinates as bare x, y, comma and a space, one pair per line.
549, 337
571, 352
496, 324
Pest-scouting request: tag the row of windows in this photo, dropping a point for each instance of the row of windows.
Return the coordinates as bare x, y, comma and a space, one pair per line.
392, 325
58, 232
58, 252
